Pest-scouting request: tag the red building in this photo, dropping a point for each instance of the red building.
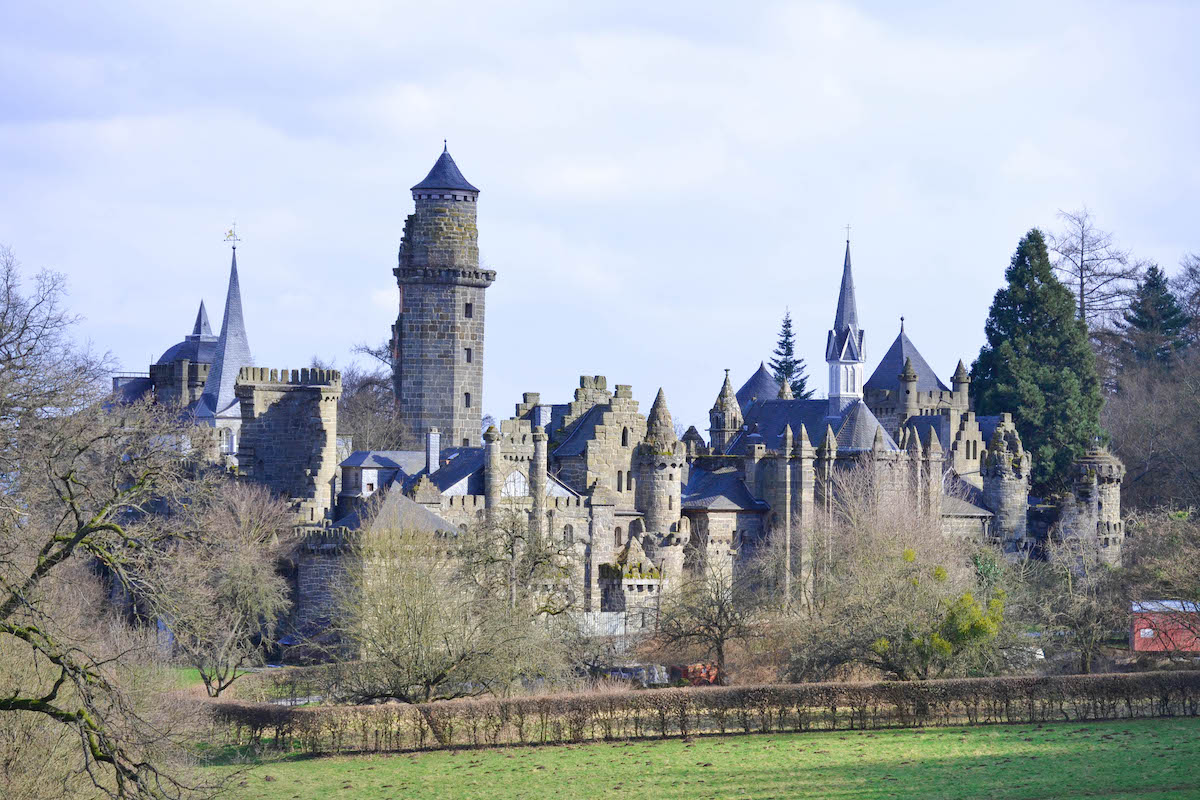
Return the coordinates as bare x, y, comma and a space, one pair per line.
1160, 626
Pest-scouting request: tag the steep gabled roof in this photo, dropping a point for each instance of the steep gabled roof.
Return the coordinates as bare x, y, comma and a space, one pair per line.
719, 490
231, 354
445, 175
858, 427
887, 374
761, 386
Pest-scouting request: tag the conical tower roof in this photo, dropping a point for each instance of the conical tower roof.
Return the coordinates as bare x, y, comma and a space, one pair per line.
659, 426
726, 398
232, 353
201, 328
761, 386
445, 175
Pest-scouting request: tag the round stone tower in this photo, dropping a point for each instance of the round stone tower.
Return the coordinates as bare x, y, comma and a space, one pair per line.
1005, 470
661, 463
437, 341
725, 418
1097, 490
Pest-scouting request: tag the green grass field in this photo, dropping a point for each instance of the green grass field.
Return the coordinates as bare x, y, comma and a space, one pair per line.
1129, 759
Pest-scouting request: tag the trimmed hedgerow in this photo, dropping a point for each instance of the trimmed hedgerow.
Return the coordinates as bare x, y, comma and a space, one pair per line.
608, 715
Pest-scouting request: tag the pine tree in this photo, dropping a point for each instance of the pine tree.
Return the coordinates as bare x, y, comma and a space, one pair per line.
1155, 326
785, 366
1037, 364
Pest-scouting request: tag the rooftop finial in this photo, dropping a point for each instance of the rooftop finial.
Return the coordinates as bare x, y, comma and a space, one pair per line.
902, 324
445, 146
232, 237
847, 233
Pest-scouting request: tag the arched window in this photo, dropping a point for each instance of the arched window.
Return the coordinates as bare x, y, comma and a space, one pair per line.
620, 481
568, 536
625, 437
629, 481
515, 485
466, 399
617, 538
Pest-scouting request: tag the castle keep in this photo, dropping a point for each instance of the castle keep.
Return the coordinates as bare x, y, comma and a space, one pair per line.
634, 504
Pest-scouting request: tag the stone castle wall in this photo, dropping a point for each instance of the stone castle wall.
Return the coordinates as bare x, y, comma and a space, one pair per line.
288, 435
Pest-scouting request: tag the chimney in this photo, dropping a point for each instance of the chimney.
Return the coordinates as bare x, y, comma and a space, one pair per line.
433, 450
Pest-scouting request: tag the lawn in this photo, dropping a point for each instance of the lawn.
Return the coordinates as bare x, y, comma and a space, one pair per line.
1157, 758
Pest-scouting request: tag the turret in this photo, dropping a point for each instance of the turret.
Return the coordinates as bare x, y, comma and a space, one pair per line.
662, 464
725, 417
538, 479
1096, 490
493, 479
1005, 471
844, 347
437, 341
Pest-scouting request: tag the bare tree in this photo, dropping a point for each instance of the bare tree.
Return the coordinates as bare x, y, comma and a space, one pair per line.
507, 560
412, 630
220, 594
1080, 602
80, 476
367, 407
891, 591
1100, 273
710, 611
1161, 560
1186, 286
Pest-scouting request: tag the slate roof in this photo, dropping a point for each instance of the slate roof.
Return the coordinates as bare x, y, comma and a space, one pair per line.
401, 513
580, 431
961, 499
887, 374
845, 339
445, 175
464, 462
720, 490
937, 423
198, 346
987, 427
232, 353
407, 461
857, 431
761, 385
132, 390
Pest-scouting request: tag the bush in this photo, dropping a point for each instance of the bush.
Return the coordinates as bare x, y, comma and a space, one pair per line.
689, 711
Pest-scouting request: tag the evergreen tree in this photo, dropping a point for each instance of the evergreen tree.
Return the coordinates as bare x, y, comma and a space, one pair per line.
785, 365
1155, 326
1038, 365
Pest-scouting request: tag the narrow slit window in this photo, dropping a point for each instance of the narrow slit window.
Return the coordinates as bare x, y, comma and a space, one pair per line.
469, 310
466, 399
468, 355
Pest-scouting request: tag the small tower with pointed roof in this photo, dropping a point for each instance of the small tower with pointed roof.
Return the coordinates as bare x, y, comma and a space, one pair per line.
725, 418
661, 463
438, 339
844, 347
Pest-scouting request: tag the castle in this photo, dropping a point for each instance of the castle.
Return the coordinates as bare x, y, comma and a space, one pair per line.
634, 503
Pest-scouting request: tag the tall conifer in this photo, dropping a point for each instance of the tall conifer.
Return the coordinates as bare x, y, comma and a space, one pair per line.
785, 366
1154, 327
1038, 365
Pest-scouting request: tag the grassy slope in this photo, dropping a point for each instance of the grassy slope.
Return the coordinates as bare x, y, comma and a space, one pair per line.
1132, 759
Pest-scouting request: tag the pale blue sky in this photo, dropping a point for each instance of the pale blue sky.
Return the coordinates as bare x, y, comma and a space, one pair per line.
658, 183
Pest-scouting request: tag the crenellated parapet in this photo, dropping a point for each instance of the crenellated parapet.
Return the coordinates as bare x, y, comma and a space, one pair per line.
288, 437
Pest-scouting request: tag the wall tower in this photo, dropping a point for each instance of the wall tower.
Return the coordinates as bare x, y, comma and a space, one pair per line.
438, 339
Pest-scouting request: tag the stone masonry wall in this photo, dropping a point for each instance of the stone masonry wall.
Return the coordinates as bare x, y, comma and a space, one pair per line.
289, 434
438, 338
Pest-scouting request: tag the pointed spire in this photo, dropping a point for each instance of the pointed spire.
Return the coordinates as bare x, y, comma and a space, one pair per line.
847, 309
659, 426
908, 374
877, 444
913, 443
934, 446
960, 374
201, 328
726, 398
232, 352
802, 438
785, 391
829, 443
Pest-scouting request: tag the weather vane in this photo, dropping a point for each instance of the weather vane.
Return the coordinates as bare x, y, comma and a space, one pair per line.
847, 231
232, 237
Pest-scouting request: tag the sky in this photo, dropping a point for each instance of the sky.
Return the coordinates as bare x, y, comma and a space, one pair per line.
660, 181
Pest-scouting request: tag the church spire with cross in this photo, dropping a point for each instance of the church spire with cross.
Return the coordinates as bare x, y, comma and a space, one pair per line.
844, 344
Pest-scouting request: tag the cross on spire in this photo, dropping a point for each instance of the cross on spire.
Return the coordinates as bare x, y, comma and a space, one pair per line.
847, 232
